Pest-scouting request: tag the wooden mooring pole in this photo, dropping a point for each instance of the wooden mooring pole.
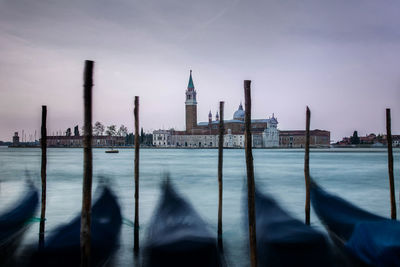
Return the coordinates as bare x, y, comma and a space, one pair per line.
137, 145
43, 176
390, 165
220, 165
307, 166
87, 166
250, 175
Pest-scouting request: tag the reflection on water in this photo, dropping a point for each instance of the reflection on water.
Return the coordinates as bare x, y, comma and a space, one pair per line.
357, 175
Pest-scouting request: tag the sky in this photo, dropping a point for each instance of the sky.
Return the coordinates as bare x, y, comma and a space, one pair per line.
341, 58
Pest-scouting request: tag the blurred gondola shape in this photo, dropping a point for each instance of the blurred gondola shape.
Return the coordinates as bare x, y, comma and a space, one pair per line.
371, 239
14, 222
285, 241
62, 248
178, 236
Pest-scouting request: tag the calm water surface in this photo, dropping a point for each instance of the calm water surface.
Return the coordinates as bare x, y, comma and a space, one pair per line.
360, 176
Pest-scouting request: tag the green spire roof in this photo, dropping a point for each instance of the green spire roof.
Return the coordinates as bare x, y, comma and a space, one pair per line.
190, 85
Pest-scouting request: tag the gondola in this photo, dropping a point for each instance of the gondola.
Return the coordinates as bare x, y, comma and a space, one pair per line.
178, 236
371, 239
62, 248
13, 222
285, 241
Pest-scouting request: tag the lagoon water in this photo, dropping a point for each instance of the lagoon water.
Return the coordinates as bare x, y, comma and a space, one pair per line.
359, 175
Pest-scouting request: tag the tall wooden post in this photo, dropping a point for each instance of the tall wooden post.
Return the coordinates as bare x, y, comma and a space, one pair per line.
43, 176
87, 165
307, 166
220, 165
137, 145
390, 164
250, 175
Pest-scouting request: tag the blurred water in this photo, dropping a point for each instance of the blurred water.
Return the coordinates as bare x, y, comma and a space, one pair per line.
358, 175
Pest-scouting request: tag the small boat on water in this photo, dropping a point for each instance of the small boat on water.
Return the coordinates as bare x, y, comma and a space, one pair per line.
178, 236
62, 248
285, 241
371, 239
112, 151
13, 222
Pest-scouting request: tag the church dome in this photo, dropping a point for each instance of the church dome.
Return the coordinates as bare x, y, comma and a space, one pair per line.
273, 120
239, 114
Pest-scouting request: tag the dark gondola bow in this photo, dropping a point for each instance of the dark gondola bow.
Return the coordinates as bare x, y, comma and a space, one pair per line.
178, 236
62, 248
285, 241
372, 239
13, 222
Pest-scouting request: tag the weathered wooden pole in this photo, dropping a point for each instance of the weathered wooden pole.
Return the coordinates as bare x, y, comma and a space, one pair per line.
137, 145
220, 165
87, 165
43, 176
390, 164
250, 175
307, 166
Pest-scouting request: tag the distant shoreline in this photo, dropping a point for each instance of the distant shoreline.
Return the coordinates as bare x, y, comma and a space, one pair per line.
327, 149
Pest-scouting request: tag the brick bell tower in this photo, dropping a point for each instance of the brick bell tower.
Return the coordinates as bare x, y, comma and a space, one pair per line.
191, 105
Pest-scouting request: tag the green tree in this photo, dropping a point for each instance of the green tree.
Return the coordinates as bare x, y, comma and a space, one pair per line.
98, 128
122, 131
355, 140
141, 135
76, 130
111, 130
130, 139
148, 140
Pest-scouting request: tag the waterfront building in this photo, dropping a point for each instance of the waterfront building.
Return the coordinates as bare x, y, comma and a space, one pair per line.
205, 134
77, 141
370, 140
297, 139
396, 140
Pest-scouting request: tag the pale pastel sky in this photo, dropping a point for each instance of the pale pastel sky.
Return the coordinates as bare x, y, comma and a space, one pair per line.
341, 58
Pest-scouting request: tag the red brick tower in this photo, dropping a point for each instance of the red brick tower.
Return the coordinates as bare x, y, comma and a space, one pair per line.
191, 105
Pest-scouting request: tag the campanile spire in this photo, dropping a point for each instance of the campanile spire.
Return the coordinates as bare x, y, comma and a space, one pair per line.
191, 105
190, 84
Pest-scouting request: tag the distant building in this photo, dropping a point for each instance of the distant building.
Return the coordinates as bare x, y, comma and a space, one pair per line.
371, 140
368, 139
396, 140
205, 134
77, 141
297, 139
15, 139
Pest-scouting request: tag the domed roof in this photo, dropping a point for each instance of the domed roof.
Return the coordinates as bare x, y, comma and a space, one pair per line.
239, 114
273, 119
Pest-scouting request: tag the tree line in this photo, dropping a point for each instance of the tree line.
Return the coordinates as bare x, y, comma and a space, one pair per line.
100, 129
144, 138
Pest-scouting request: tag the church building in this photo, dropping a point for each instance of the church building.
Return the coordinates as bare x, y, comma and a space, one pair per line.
205, 134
